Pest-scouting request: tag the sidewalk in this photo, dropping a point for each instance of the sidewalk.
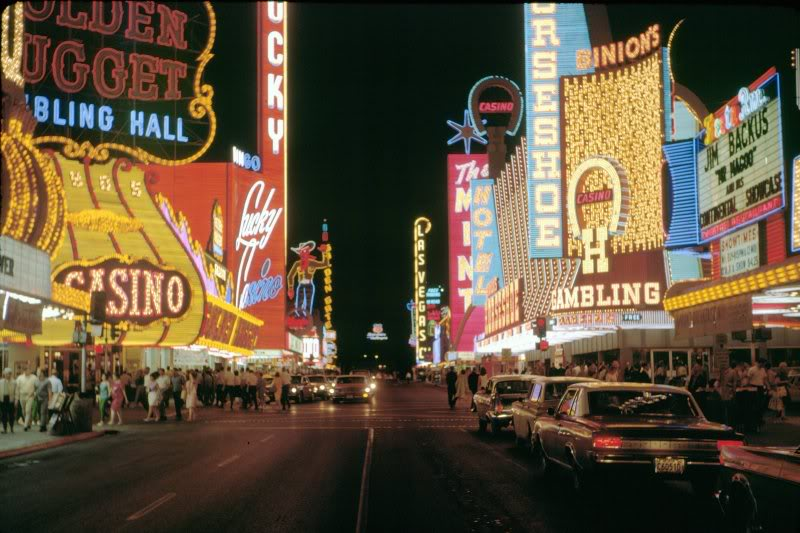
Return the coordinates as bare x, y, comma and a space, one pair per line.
777, 433
23, 442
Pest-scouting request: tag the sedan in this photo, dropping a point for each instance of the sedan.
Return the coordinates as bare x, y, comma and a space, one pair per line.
545, 394
493, 403
300, 390
320, 386
645, 430
352, 388
760, 488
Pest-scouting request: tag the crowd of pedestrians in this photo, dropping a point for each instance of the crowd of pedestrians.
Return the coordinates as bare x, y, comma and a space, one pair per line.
28, 399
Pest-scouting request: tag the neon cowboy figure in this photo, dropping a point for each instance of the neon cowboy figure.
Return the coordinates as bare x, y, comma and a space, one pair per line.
303, 269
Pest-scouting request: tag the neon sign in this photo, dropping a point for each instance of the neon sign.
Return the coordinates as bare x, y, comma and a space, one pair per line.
553, 34
121, 70
485, 240
466, 132
422, 226
258, 221
246, 161
138, 291
620, 52
303, 271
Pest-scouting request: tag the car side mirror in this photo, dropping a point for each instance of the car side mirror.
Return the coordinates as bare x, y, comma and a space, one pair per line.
551, 411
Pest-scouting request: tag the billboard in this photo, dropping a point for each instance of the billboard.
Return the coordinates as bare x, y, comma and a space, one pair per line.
486, 261
121, 77
554, 33
740, 160
461, 170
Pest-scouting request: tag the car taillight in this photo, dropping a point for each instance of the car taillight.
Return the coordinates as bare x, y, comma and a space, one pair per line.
498, 406
721, 443
606, 441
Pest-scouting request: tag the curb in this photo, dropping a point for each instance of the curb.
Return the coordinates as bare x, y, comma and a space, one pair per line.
51, 444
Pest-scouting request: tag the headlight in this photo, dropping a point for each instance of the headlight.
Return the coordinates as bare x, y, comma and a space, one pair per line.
294, 389
367, 389
315, 389
374, 386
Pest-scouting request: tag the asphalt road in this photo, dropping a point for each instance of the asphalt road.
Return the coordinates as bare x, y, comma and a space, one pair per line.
404, 463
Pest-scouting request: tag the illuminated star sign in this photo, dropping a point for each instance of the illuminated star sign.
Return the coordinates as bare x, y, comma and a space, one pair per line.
466, 132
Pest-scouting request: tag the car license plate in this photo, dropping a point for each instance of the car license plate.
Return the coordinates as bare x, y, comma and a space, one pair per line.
670, 465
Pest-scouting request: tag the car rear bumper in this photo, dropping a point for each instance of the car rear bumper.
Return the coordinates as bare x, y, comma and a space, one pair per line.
500, 419
644, 465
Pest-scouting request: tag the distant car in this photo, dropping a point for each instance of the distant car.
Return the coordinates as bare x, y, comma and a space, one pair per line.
320, 386
645, 430
760, 488
300, 390
269, 387
493, 404
352, 388
545, 393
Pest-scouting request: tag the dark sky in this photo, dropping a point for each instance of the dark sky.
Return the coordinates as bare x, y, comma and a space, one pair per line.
371, 87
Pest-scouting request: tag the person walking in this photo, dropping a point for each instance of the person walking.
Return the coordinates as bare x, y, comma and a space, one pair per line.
472, 383
462, 390
208, 383
451, 380
164, 385
141, 391
8, 399
219, 384
43, 392
104, 392
697, 386
118, 399
261, 390
614, 374
26, 390
252, 382
230, 392
483, 379
178, 392
153, 397
285, 383
757, 376
277, 383
191, 396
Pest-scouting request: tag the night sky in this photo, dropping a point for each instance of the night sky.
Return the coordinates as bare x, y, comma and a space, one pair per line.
370, 89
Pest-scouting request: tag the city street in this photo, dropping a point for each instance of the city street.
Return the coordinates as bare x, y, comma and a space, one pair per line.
406, 462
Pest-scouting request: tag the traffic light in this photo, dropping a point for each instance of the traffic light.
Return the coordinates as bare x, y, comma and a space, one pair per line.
541, 327
115, 331
543, 345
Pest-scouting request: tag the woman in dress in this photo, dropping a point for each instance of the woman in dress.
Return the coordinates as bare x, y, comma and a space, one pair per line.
153, 398
191, 396
105, 391
118, 399
462, 389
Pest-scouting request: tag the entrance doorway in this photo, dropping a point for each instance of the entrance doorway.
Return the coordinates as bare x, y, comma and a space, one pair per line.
674, 362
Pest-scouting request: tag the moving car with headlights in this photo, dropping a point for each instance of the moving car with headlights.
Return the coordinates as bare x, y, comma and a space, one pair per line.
319, 386
654, 431
760, 488
352, 389
545, 394
300, 390
494, 402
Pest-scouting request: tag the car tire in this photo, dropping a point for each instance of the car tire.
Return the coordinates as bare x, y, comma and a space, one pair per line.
541, 465
481, 425
741, 510
579, 480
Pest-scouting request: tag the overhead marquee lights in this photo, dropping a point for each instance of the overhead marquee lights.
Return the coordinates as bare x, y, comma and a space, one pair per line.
422, 226
740, 160
554, 33
796, 204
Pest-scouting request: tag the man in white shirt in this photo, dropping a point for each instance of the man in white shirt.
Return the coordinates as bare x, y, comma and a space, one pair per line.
164, 383
229, 384
26, 389
56, 384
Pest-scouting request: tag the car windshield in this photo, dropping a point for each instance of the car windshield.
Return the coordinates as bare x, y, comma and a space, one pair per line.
640, 402
316, 379
352, 379
297, 379
554, 391
512, 387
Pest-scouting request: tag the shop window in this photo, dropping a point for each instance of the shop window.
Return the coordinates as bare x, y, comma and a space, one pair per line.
740, 355
610, 355
777, 355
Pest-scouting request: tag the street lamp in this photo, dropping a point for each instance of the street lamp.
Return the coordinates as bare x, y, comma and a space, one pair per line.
376, 356
365, 356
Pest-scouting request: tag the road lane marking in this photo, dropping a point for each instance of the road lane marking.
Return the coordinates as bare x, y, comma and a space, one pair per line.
156, 504
228, 461
363, 499
265, 439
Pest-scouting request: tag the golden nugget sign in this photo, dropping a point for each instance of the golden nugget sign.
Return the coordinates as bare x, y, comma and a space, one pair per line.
504, 308
137, 291
124, 77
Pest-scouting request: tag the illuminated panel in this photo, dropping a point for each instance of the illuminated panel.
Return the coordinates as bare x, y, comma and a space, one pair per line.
553, 35
485, 240
795, 205
461, 170
422, 226
740, 161
681, 163
619, 113
504, 308
114, 78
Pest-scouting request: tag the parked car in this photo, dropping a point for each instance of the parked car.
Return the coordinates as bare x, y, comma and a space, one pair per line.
493, 403
645, 430
545, 393
319, 386
300, 390
352, 388
760, 488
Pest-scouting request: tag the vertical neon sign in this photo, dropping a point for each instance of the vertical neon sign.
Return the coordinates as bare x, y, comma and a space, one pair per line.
553, 35
422, 226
